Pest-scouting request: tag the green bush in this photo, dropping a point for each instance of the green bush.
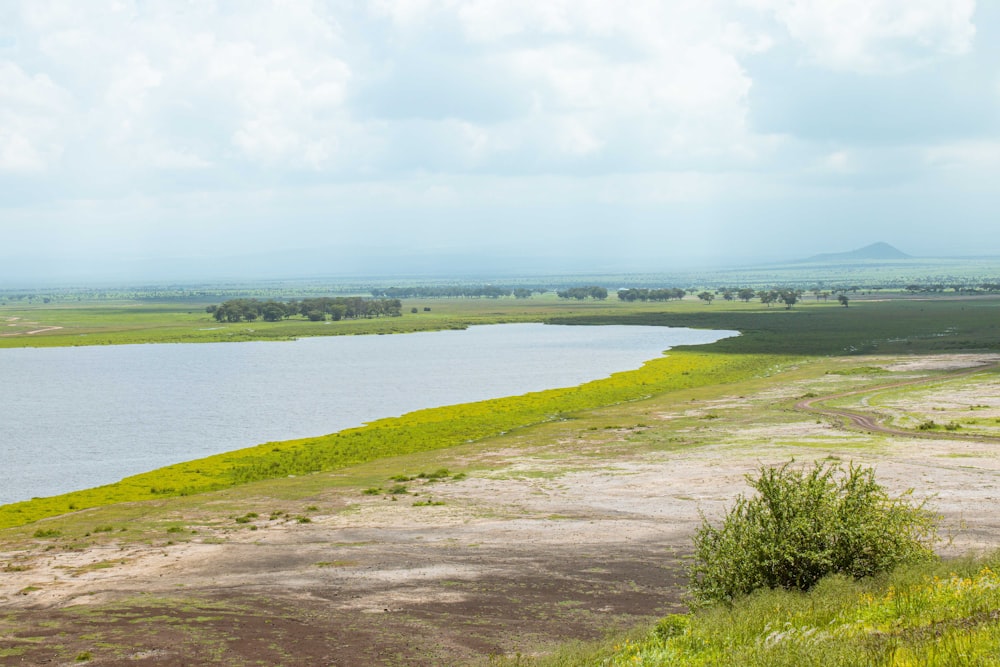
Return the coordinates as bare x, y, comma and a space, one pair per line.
806, 523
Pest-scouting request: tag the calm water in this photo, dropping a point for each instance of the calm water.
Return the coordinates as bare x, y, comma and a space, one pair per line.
78, 417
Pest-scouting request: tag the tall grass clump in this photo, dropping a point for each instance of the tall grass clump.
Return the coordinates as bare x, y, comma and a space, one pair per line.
803, 524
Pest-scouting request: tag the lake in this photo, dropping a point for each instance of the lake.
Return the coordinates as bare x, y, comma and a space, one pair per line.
78, 417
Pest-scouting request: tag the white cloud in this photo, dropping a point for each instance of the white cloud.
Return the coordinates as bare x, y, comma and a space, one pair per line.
658, 81
33, 114
170, 158
168, 85
877, 36
18, 154
977, 155
839, 162
270, 85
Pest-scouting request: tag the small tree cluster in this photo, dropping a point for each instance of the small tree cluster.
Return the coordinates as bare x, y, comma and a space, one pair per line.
582, 293
789, 297
642, 294
336, 308
806, 523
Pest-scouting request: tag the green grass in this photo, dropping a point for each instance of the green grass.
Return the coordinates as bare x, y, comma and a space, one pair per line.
811, 327
940, 614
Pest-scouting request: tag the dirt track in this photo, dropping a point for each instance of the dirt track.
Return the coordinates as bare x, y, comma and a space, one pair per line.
870, 423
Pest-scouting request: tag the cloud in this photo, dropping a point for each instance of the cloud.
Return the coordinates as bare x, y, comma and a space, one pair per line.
584, 83
33, 111
148, 79
877, 36
329, 88
438, 123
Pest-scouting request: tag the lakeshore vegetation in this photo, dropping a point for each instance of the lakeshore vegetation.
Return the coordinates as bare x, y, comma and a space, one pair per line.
931, 612
770, 339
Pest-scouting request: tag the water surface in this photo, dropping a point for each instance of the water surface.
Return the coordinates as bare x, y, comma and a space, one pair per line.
78, 417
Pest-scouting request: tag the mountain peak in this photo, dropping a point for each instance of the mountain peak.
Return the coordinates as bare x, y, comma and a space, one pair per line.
876, 251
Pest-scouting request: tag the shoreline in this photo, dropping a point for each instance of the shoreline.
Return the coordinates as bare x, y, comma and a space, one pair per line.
420, 430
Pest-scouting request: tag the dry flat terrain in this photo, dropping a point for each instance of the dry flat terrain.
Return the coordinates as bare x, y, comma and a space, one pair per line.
549, 533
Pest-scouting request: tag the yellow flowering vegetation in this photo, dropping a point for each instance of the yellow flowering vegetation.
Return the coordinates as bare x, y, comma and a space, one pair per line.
423, 430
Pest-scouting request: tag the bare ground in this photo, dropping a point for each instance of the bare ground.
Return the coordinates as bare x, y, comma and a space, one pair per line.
577, 532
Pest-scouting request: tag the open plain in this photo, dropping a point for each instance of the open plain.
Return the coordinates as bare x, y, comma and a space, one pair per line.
557, 531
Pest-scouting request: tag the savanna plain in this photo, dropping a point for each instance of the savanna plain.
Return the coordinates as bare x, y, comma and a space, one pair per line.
553, 528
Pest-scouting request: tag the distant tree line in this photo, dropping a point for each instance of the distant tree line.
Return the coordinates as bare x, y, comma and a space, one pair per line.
316, 309
642, 294
582, 293
454, 291
990, 288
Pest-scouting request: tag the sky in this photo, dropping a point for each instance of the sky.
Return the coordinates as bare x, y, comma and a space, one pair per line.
278, 138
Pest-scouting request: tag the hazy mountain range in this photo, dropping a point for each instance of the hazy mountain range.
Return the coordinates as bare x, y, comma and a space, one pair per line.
876, 251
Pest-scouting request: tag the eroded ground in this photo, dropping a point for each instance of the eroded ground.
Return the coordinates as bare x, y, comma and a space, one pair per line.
556, 532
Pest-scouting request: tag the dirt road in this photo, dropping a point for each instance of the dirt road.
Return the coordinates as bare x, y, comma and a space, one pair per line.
870, 423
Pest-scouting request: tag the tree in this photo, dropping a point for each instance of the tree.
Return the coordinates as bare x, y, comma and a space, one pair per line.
790, 297
707, 297
272, 311
843, 300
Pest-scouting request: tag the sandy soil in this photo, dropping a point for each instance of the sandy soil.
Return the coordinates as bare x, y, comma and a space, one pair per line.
17, 322
530, 549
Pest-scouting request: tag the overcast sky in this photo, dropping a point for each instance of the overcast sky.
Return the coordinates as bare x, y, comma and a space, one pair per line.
350, 136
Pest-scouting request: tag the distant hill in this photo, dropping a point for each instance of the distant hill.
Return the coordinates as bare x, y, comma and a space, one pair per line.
876, 251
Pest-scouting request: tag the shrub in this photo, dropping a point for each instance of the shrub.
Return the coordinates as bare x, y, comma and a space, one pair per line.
806, 523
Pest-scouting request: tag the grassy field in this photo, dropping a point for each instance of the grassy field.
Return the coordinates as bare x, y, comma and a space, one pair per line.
127, 322
726, 392
887, 323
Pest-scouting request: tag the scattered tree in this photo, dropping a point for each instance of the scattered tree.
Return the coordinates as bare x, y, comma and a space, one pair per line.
789, 297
